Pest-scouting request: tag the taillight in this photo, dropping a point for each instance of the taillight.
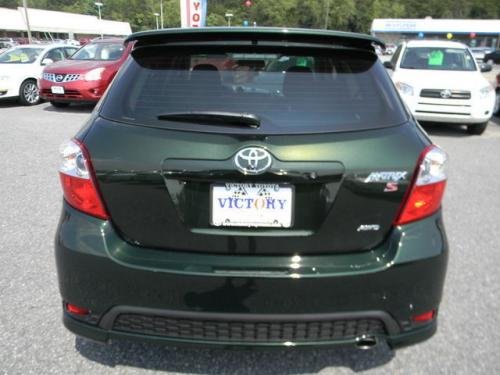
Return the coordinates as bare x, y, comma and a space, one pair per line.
77, 180
426, 191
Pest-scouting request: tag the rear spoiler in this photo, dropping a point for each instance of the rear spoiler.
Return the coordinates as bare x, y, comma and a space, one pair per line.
255, 36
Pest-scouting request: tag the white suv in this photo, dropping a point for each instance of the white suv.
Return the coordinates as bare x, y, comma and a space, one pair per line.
441, 82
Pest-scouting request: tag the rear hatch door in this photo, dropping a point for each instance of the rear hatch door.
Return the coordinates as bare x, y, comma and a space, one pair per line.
322, 169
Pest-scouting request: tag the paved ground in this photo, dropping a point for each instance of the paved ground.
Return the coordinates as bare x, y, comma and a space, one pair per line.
33, 340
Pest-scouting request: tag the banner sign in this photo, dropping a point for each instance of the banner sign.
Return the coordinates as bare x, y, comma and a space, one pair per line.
193, 13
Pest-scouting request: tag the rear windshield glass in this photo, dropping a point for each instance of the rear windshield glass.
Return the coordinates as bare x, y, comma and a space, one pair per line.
99, 51
289, 92
437, 59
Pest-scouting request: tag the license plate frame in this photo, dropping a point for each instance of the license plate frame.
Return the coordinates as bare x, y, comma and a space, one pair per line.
255, 220
59, 90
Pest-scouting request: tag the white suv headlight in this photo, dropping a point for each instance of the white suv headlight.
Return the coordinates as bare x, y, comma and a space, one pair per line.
404, 88
485, 91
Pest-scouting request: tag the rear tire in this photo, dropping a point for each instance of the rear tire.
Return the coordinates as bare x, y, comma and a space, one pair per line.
29, 93
477, 129
59, 104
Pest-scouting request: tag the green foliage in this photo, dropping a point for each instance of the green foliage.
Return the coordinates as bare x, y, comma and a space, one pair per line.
9, 3
353, 15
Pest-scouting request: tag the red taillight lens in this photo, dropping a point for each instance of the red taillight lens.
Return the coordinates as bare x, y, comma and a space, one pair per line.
81, 194
77, 310
424, 317
423, 201
426, 191
77, 180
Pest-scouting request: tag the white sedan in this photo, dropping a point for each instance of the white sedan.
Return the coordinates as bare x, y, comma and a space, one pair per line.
22, 66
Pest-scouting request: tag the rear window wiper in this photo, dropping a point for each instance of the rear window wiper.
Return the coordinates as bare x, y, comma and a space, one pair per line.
214, 118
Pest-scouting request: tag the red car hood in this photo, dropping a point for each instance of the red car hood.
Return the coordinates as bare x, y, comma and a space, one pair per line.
78, 66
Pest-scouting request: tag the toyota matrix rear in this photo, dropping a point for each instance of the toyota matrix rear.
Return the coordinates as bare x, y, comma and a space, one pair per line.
252, 187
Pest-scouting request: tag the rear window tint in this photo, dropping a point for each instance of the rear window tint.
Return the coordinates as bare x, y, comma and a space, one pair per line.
299, 92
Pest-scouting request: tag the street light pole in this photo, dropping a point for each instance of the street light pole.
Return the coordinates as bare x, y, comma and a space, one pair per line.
228, 16
161, 13
98, 4
157, 15
327, 14
25, 5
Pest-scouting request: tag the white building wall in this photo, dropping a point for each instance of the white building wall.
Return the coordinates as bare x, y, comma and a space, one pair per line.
430, 25
60, 22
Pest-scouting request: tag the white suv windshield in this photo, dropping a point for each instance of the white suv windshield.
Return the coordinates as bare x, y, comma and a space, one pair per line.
20, 56
437, 58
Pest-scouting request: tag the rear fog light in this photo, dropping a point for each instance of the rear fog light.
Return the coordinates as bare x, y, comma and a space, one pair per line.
77, 310
424, 317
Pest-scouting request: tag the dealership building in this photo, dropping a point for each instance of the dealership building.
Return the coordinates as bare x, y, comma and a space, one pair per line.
47, 24
474, 33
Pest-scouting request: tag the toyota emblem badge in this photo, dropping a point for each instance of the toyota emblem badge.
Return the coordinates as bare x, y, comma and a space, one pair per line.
445, 94
253, 160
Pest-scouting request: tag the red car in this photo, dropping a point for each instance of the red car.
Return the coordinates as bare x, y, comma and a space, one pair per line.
85, 76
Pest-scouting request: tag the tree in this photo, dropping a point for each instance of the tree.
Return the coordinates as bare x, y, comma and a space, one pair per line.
214, 19
9, 4
352, 15
341, 14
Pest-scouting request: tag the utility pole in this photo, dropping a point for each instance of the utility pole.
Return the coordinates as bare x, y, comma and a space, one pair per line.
98, 4
327, 14
161, 13
25, 5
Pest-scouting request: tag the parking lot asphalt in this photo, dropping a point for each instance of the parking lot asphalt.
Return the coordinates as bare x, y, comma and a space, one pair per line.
33, 339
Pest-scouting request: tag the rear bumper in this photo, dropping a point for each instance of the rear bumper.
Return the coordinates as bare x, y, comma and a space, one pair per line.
281, 300
97, 333
9, 91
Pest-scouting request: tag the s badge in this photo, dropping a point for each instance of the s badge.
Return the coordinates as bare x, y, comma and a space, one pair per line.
391, 187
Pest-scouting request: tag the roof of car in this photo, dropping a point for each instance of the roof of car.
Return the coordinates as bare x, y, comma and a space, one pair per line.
43, 46
177, 35
107, 40
435, 43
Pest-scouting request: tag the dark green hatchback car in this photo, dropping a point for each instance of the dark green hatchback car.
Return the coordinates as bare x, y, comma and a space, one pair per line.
252, 187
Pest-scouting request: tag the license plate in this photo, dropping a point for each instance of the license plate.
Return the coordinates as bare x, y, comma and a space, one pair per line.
252, 205
57, 90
